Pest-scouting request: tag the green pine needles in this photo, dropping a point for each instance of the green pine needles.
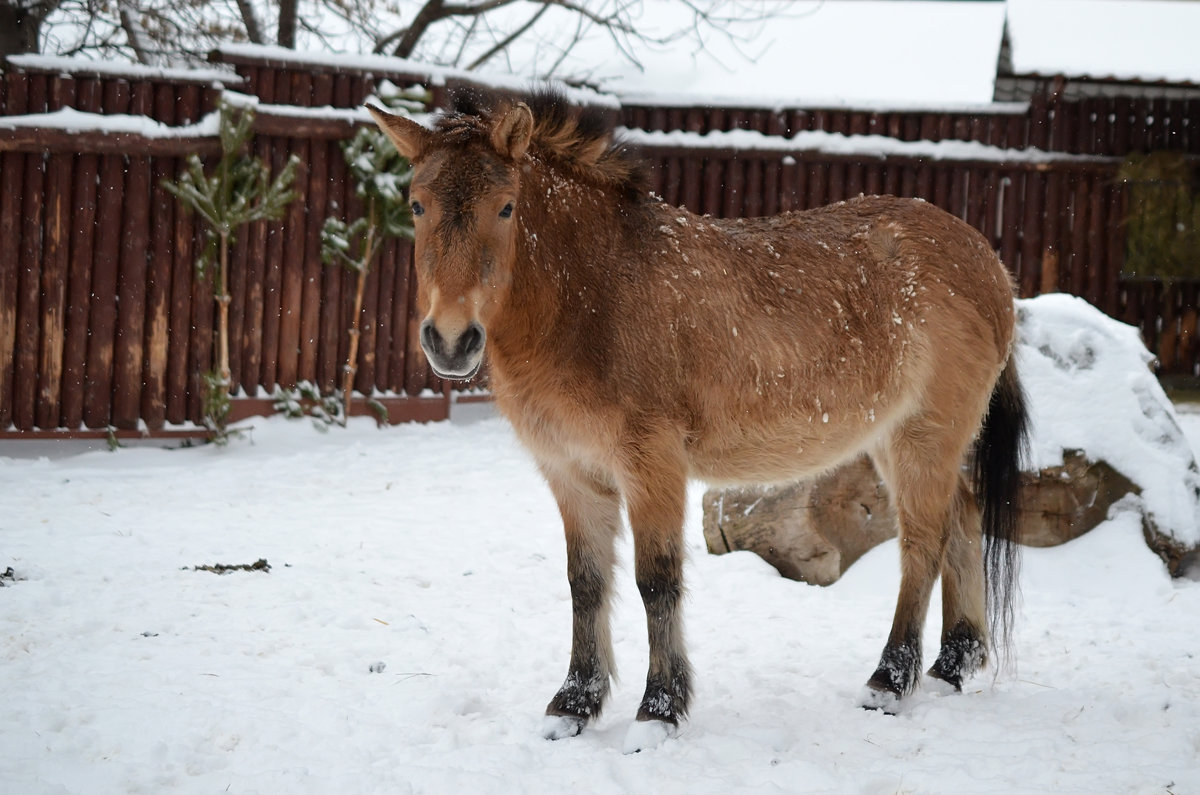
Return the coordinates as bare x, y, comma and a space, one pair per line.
239, 190
1164, 216
381, 178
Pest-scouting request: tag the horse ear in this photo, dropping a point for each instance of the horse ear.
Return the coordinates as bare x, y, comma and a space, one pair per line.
409, 137
512, 134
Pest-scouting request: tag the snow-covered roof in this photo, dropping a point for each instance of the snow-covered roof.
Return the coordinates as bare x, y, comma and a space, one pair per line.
813, 52
1127, 39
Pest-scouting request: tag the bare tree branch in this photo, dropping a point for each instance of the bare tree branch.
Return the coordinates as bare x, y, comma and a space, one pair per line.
505, 42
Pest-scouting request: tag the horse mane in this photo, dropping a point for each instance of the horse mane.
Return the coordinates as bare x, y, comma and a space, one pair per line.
576, 139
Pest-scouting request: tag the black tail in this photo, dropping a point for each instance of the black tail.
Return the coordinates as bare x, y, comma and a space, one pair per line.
1003, 442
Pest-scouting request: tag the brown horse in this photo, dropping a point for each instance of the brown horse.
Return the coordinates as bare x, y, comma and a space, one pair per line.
635, 345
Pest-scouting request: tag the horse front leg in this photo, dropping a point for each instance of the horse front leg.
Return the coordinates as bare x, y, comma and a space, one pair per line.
656, 503
590, 508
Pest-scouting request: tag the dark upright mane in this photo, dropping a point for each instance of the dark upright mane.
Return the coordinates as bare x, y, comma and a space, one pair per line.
576, 139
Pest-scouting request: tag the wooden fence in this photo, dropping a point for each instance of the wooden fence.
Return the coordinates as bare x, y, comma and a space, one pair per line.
103, 325
1090, 125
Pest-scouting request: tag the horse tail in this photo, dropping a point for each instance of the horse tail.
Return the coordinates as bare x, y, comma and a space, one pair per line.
1003, 442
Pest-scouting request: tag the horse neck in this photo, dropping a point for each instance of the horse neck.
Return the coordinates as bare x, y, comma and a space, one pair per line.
568, 229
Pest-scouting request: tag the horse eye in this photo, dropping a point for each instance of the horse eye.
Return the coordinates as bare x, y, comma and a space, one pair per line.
507, 211
417, 209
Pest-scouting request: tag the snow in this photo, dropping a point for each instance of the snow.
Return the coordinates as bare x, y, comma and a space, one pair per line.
434, 74
814, 53
433, 555
1082, 370
881, 54
839, 144
71, 120
1142, 39
68, 65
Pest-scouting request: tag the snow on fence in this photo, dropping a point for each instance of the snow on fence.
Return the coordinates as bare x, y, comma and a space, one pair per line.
102, 324
1089, 125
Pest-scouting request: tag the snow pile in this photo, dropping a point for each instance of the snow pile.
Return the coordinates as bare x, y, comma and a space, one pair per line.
1090, 388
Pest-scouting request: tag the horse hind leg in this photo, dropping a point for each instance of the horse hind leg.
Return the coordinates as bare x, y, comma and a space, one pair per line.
920, 467
590, 510
964, 619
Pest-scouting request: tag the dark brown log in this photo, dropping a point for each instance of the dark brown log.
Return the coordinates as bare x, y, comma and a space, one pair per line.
386, 315
713, 179
403, 286
55, 252
131, 307
183, 278
1076, 264
732, 197
158, 293
12, 174
1031, 234
29, 268
1009, 231
1096, 262
293, 275
329, 363
97, 400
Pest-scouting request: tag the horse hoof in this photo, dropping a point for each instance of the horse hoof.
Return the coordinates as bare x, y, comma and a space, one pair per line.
645, 735
876, 698
560, 727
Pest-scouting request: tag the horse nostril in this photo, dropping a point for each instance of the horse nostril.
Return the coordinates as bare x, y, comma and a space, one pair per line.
431, 340
472, 339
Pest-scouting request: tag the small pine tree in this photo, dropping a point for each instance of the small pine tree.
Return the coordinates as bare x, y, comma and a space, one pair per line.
239, 191
381, 179
1164, 217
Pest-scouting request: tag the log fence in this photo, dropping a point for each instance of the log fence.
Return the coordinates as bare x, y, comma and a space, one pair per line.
104, 326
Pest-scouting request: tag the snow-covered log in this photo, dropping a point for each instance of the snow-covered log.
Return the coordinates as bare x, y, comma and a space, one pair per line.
1105, 439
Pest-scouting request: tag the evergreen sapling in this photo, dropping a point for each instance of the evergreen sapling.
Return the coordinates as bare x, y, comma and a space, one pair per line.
381, 179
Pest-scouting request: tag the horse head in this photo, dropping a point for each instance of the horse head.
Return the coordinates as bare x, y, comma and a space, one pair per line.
464, 197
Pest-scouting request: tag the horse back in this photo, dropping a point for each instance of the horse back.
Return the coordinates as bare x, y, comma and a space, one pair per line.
817, 332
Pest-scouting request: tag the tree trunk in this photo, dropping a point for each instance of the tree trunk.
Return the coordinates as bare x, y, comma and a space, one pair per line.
250, 20
355, 322
223, 300
21, 26
287, 24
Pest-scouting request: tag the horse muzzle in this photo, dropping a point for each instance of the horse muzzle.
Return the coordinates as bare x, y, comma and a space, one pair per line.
457, 358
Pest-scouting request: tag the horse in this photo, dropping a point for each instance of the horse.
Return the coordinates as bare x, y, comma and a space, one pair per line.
635, 345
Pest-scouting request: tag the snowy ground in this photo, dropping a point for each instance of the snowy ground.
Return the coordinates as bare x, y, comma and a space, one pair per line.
436, 551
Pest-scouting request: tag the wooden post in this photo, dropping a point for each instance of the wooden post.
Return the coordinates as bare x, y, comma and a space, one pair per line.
1049, 271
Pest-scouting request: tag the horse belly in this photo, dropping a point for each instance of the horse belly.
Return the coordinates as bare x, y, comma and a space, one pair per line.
780, 453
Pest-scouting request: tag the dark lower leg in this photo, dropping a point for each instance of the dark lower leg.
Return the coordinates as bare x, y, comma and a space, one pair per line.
668, 683
590, 520
583, 692
963, 652
964, 639
900, 664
